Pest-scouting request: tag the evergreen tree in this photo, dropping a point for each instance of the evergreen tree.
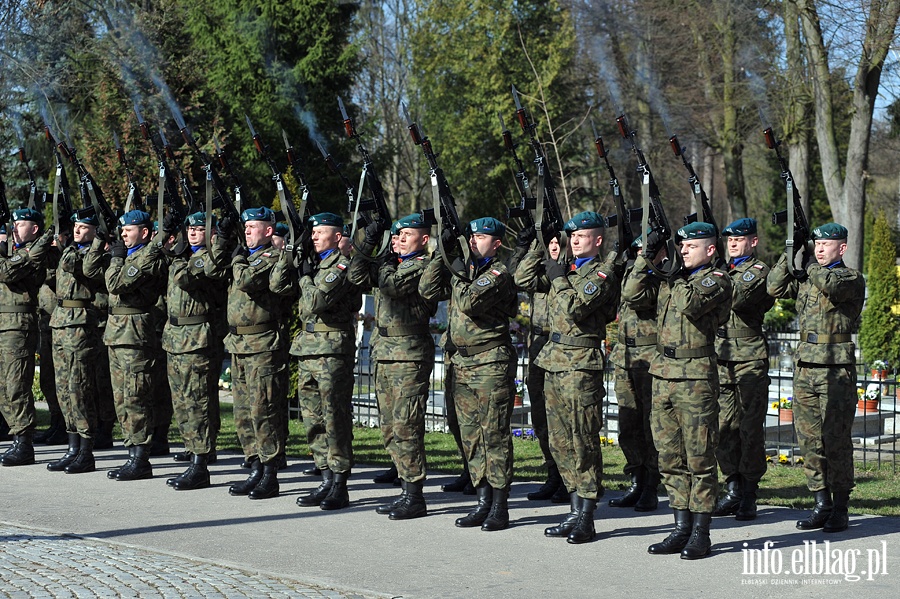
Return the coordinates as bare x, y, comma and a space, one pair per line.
879, 333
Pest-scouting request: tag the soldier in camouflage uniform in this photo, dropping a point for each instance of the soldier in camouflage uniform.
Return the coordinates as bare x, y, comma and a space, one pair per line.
632, 355
326, 348
22, 271
189, 339
134, 278
829, 300
256, 343
691, 306
582, 297
484, 365
76, 344
56, 433
743, 375
403, 351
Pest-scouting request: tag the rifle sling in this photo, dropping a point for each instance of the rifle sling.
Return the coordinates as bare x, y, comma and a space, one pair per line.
209, 207
160, 196
436, 201
56, 185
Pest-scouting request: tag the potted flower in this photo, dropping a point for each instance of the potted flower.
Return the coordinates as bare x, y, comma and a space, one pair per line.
868, 399
519, 400
785, 407
879, 370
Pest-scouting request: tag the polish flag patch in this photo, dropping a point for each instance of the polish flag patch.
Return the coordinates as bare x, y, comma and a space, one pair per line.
759, 266
495, 272
341, 266
601, 274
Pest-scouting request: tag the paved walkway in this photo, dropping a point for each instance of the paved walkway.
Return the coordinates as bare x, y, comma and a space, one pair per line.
60, 533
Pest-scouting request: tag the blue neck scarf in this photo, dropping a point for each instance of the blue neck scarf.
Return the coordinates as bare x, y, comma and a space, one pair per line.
135, 248
326, 253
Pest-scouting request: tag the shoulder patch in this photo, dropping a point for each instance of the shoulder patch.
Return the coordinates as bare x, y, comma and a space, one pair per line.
16, 258
708, 282
483, 282
267, 254
341, 266
718, 273
420, 257
330, 277
601, 274
748, 276
759, 266
256, 262
496, 272
198, 263
132, 271
590, 288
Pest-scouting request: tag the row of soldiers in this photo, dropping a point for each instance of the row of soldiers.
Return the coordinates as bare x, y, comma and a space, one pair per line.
691, 358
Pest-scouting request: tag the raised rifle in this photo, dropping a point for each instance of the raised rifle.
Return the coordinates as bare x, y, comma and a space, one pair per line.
548, 217
653, 216
32, 191
700, 195
135, 199
798, 231
295, 217
5, 213
231, 173
337, 169
443, 204
624, 216
62, 199
527, 202
167, 190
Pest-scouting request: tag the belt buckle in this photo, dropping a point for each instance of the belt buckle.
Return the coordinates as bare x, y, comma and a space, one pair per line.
555, 337
812, 337
630, 342
721, 333
310, 327
669, 352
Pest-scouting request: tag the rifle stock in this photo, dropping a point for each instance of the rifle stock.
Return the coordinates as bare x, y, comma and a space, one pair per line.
798, 231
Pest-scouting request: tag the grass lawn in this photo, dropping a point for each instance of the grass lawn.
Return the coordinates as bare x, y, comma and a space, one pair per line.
877, 488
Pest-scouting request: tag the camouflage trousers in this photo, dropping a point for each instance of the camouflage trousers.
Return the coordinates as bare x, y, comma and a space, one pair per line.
574, 419
634, 392
75, 352
535, 380
743, 402
130, 369
163, 409
256, 381
47, 375
824, 409
325, 390
106, 403
450, 406
684, 419
17, 349
484, 401
402, 391
189, 376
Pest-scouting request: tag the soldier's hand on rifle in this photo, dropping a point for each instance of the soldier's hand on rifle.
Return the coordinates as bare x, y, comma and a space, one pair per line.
40, 247
4, 248
170, 225
307, 268
448, 241
373, 233
525, 237
226, 227
652, 246
802, 261
117, 249
554, 270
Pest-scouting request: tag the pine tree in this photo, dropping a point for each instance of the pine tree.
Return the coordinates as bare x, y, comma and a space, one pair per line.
879, 333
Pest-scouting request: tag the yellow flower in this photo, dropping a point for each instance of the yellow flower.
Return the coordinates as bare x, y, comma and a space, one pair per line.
783, 459
775, 404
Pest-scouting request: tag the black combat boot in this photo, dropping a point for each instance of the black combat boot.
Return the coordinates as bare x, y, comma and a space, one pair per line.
114, 472
583, 530
244, 488
58, 436
482, 508
649, 499
4, 430
565, 527
387, 508
182, 456
731, 500
459, 485
318, 495
699, 544
195, 477
747, 510
139, 467
633, 494
338, 497
388, 477
821, 512
21, 453
160, 445
678, 538
498, 518
268, 484
412, 505
104, 437
839, 520
56, 421
281, 461
312, 471
84, 461
550, 487
69, 457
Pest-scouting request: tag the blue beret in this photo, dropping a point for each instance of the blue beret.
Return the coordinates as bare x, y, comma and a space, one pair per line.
413, 221
281, 230
830, 231
135, 217
585, 220
329, 219
638, 242
488, 225
347, 230
395, 228
697, 230
85, 217
262, 213
740, 228
28, 214
198, 219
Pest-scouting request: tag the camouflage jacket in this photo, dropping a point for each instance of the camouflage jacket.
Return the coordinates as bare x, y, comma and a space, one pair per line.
742, 338
689, 310
401, 314
829, 301
539, 324
134, 284
636, 345
478, 313
21, 277
253, 310
328, 306
76, 292
47, 294
580, 304
192, 297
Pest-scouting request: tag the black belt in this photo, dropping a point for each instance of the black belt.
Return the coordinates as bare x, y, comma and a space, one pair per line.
467, 351
18, 309
640, 341
678, 353
126, 311
180, 321
319, 327
253, 329
810, 337
588, 342
740, 333
404, 330
74, 303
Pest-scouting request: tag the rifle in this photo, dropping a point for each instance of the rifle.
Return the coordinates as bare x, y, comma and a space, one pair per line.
135, 199
653, 215
295, 224
546, 202
798, 231
699, 194
443, 203
5, 213
527, 202
167, 187
229, 169
624, 216
295, 217
335, 168
32, 195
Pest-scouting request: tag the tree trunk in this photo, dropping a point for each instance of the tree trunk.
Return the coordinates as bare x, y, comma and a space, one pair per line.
799, 110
